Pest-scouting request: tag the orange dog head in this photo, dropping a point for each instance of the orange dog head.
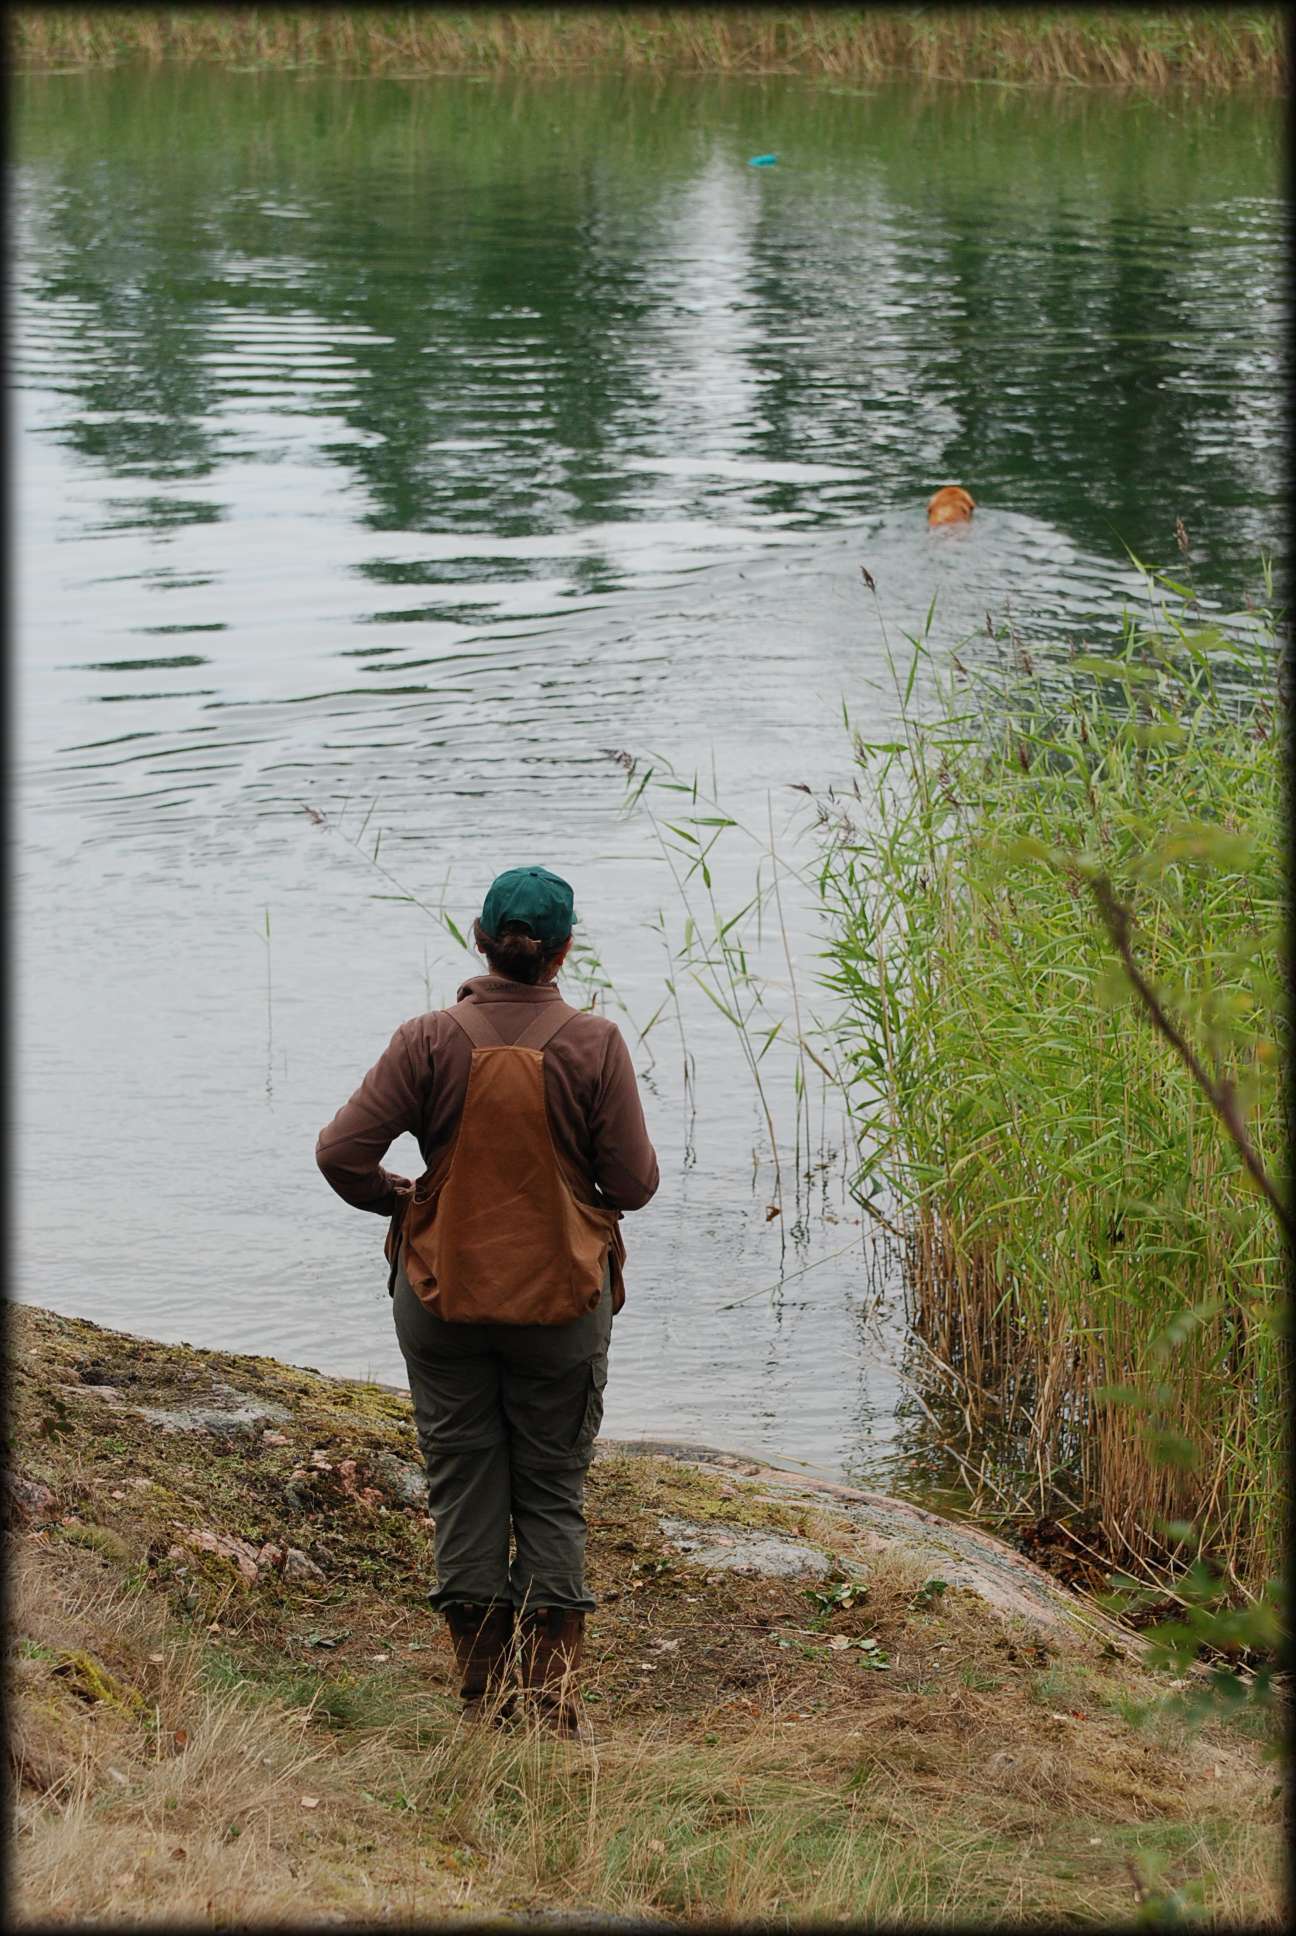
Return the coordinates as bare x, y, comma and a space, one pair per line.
951, 505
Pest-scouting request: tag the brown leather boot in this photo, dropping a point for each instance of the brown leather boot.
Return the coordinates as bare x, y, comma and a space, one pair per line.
483, 1644
552, 1643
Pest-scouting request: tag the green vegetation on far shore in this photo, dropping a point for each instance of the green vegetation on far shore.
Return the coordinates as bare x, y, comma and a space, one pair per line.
1207, 47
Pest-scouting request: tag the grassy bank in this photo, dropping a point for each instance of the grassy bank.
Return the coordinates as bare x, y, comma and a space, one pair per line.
1092, 1271
233, 1704
1203, 47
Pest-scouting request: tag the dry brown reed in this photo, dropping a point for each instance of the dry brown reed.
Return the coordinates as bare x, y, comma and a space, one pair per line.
1201, 47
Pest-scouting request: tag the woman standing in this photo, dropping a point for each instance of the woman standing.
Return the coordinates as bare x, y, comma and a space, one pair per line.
505, 1273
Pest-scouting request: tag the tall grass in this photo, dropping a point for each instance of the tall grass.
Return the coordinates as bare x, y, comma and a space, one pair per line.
1089, 1260
1207, 47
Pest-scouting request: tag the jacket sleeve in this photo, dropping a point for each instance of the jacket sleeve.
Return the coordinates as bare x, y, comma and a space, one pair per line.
625, 1163
350, 1150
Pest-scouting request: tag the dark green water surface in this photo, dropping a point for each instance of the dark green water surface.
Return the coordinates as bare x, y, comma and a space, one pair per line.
411, 443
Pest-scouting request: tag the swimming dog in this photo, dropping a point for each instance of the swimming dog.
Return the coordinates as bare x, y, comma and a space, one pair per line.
951, 505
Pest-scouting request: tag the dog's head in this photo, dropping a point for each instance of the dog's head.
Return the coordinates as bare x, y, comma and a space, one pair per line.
951, 505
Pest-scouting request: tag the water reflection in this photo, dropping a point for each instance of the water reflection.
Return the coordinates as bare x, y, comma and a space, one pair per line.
499, 293
452, 434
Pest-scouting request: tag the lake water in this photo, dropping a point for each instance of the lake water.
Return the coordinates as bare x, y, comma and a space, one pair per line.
394, 449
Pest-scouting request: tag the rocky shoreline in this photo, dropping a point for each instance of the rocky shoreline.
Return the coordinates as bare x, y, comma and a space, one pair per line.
964, 1555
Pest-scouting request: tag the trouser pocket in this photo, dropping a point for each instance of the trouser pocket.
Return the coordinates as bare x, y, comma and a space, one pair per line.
593, 1415
554, 1414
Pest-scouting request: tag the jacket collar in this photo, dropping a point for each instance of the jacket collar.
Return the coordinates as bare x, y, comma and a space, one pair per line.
498, 988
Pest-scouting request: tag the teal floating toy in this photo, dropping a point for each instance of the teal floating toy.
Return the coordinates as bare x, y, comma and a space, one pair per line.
762, 161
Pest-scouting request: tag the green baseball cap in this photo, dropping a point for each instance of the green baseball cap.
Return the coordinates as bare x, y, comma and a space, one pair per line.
534, 896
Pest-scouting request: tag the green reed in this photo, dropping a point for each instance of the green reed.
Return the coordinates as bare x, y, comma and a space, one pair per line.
1207, 47
714, 952
1089, 1259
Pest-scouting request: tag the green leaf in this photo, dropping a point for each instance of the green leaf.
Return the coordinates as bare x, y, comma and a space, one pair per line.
1208, 638
1025, 847
1172, 1449
1206, 840
913, 666
725, 927
1182, 1325
1112, 986
724, 1008
1181, 1531
634, 797
1122, 1395
768, 1039
1122, 670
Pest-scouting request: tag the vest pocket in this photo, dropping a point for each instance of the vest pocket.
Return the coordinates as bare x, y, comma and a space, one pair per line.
415, 1215
592, 1236
391, 1243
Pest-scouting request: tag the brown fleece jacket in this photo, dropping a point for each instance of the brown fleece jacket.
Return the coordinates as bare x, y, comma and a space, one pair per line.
419, 1082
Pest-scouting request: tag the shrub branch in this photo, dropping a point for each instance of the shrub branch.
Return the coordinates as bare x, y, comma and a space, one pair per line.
1222, 1095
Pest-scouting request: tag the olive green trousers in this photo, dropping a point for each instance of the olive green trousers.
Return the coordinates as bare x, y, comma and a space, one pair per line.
507, 1416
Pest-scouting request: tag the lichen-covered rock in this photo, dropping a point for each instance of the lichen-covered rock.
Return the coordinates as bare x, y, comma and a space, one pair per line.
243, 1555
299, 1566
91, 1680
298, 1494
405, 1482
349, 1480
98, 1539
23, 1501
230, 1412
738, 1549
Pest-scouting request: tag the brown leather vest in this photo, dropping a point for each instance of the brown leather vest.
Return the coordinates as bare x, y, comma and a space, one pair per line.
495, 1234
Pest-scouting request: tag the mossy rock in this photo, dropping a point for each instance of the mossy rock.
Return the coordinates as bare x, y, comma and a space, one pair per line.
93, 1682
99, 1539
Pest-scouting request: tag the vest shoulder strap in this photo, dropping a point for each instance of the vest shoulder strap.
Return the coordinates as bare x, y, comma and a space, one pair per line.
552, 1017
474, 1019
